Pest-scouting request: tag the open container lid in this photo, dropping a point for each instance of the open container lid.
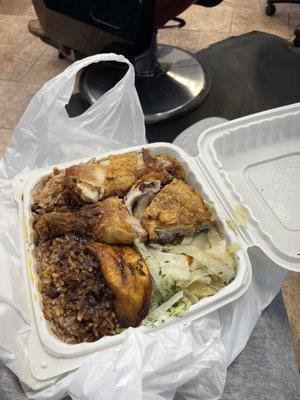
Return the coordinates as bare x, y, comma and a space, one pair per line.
255, 160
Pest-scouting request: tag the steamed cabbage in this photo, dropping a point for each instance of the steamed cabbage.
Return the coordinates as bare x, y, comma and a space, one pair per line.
187, 272
241, 214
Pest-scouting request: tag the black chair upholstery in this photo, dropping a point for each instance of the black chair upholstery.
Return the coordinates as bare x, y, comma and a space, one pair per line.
170, 81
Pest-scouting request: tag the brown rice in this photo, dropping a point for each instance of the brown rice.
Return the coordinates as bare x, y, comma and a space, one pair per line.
76, 301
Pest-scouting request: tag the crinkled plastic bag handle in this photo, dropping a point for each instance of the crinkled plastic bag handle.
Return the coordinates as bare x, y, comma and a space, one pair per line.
62, 85
114, 121
121, 100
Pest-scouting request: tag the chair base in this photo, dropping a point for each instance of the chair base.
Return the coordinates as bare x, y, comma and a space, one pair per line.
177, 85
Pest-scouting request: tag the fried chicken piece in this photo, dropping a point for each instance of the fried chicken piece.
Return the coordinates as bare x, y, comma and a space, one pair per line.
177, 210
143, 191
92, 181
127, 276
107, 221
161, 163
86, 181
120, 174
95, 181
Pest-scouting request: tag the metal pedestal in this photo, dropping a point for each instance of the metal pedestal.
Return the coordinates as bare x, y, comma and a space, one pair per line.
170, 82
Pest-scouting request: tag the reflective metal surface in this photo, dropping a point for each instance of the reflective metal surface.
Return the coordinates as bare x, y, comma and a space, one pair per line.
177, 85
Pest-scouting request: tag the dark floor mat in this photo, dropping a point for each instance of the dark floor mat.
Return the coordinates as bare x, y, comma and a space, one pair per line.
249, 73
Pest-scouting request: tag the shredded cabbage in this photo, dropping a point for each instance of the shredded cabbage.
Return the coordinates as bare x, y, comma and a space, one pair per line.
200, 241
201, 275
191, 297
241, 214
177, 285
160, 314
173, 265
120, 330
187, 240
163, 282
200, 289
233, 248
213, 237
156, 299
214, 266
218, 246
179, 308
195, 265
216, 283
232, 225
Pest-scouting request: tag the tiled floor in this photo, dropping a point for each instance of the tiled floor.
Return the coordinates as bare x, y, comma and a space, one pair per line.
26, 64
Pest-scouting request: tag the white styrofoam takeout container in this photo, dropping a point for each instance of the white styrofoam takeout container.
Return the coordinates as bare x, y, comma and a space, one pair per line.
254, 160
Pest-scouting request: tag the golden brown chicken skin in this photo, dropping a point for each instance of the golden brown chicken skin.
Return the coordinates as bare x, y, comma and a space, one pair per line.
106, 221
128, 277
85, 182
120, 174
160, 163
93, 181
177, 210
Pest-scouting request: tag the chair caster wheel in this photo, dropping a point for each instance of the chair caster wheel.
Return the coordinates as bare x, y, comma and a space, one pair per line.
270, 10
296, 42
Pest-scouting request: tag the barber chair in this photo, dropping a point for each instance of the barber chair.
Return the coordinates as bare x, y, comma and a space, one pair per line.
170, 81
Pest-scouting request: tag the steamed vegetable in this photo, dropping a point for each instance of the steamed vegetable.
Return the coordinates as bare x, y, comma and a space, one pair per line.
213, 265
160, 313
200, 289
165, 269
173, 265
233, 248
241, 214
232, 225
184, 273
218, 246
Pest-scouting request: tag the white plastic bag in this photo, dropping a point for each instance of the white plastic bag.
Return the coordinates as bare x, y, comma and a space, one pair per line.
45, 135
187, 361
116, 120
